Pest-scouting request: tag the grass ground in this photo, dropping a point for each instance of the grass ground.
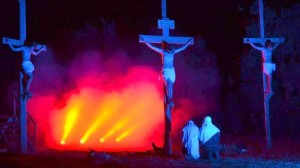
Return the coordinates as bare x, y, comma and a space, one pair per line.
242, 153
147, 159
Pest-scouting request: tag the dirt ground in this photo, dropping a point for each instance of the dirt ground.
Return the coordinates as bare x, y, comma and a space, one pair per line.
147, 159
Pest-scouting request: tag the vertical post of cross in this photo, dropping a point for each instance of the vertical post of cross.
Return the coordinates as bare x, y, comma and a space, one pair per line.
22, 20
23, 112
261, 19
267, 95
164, 9
23, 117
165, 24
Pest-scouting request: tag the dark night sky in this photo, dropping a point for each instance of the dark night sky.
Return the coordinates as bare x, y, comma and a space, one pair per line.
220, 24
212, 20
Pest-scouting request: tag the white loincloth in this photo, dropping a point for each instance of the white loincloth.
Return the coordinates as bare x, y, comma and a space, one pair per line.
268, 68
27, 66
169, 74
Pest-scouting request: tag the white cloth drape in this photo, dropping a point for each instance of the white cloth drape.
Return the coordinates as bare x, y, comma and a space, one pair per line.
190, 139
207, 130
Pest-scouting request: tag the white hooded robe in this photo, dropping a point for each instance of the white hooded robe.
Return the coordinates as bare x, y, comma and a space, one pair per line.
190, 139
207, 130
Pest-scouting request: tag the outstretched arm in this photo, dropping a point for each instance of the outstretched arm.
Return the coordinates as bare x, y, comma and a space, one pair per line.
153, 47
14, 48
38, 51
256, 47
184, 46
275, 46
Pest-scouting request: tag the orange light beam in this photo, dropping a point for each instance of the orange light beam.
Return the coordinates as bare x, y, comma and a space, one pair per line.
129, 131
133, 111
71, 119
110, 104
114, 129
123, 135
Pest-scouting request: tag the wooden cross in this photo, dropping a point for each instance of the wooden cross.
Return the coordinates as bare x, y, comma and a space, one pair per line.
23, 99
268, 95
165, 24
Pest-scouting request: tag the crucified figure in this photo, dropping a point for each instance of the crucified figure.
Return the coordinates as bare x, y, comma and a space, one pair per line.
27, 66
268, 65
167, 53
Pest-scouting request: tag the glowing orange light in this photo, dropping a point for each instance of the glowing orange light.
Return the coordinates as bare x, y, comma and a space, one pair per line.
70, 121
122, 136
110, 104
114, 129
128, 111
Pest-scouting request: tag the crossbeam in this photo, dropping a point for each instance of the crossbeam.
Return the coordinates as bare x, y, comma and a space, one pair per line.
262, 40
15, 42
169, 39
6, 40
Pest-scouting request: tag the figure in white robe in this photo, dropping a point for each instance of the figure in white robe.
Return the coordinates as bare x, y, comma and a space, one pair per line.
190, 140
209, 136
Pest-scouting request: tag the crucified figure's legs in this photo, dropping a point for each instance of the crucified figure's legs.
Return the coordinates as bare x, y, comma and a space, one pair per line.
27, 79
169, 91
267, 80
27, 70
